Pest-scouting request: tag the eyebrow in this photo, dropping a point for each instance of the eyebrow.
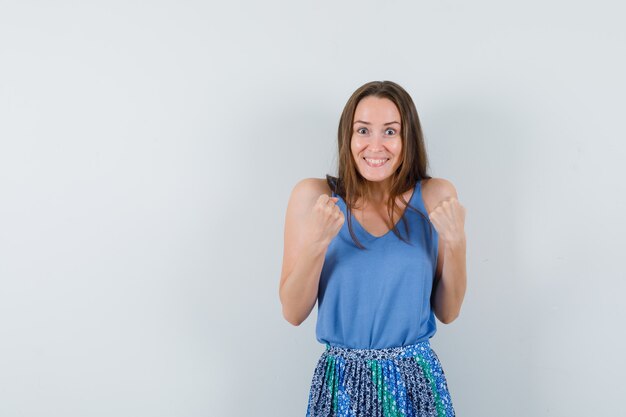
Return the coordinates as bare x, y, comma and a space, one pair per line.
368, 123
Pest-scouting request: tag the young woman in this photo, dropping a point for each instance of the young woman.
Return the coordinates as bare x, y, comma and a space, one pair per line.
378, 286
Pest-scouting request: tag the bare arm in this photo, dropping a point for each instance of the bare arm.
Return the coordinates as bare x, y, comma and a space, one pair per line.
311, 221
298, 292
450, 289
451, 277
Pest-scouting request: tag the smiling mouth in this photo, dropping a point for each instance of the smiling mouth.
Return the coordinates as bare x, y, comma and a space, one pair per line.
375, 162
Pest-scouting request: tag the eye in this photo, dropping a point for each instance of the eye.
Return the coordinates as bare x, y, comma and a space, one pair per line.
393, 132
359, 130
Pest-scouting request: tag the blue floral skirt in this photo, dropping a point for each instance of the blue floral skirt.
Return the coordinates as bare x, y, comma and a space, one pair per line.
396, 381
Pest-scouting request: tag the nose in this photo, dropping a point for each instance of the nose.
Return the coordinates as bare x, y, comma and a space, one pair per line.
377, 141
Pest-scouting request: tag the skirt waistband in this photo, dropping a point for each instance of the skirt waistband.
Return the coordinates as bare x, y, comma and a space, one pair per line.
382, 353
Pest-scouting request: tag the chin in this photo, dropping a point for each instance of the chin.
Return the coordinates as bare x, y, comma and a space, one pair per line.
376, 179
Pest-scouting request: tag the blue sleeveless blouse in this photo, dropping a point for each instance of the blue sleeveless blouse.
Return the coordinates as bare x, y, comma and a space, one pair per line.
379, 297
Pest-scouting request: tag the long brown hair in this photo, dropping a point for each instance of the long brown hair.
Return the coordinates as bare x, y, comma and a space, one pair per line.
350, 185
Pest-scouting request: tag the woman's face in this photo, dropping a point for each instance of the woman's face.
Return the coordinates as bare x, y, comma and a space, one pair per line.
376, 143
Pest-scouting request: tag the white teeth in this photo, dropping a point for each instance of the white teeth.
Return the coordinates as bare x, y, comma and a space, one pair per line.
376, 162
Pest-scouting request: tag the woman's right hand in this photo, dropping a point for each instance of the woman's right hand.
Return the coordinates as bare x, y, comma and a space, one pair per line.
325, 220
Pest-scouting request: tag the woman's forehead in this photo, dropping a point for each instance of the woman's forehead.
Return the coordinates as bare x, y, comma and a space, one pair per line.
376, 110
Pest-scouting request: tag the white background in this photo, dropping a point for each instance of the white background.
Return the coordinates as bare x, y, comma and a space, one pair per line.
148, 150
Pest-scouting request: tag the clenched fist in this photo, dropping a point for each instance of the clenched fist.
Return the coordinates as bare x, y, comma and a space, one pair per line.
449, 220
325, 220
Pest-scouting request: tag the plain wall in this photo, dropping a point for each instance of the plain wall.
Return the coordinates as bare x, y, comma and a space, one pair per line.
147, 154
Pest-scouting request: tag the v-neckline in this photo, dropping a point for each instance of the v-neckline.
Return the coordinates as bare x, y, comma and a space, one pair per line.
371, 236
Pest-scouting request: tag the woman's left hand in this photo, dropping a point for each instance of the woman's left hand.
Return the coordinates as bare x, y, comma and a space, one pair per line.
448, 217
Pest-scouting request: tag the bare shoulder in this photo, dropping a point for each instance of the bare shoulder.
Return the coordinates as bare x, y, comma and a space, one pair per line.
315, 185
435, 190
307, 191
303, 197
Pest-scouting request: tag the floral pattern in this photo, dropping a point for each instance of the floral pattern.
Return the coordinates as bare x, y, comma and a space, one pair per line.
389, 382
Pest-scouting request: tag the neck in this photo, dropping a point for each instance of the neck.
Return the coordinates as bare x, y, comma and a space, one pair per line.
379, 191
